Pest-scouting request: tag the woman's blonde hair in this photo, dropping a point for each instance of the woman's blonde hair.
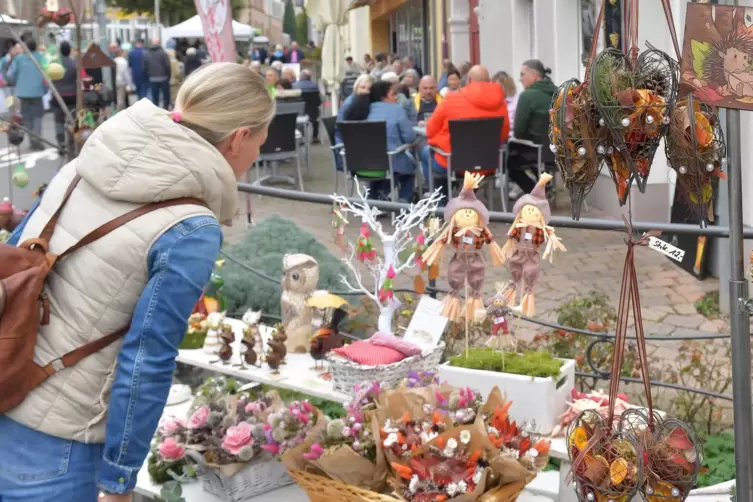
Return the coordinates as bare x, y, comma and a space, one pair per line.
361, 79
507, 83
219, 99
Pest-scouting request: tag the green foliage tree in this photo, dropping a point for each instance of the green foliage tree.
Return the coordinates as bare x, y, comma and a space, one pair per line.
262, 249
302, 27
174, 11
289, 25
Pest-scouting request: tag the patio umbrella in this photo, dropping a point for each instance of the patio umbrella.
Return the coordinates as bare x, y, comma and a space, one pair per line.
333, 15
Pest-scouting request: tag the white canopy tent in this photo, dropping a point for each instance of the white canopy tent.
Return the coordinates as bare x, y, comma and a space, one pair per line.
333, 15
192, 28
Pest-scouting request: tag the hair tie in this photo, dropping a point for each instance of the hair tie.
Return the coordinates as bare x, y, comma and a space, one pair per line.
176, 115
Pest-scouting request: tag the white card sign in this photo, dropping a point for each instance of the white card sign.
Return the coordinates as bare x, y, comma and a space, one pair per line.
427, 325
665, 248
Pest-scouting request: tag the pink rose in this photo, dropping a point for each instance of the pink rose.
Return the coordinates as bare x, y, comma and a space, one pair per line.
170, 450
237, 437
171, 425
199, 418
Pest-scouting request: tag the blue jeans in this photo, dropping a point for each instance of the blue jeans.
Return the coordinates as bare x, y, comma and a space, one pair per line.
142, 88
438, 172
162, 88
406, 183
42, 468
32, 111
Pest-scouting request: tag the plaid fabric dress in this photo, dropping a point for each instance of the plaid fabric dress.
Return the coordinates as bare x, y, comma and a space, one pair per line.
524, 265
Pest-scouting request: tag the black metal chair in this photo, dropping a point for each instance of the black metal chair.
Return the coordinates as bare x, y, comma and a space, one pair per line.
281, 145
366, 154
330, 125
476, 147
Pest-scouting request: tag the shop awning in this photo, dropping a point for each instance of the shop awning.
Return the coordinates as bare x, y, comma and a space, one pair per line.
192, 28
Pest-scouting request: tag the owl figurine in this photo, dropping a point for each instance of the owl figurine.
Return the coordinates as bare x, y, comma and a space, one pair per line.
300, 275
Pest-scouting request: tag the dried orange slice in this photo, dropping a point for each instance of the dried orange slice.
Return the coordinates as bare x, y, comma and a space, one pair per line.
618, 471
578, 438
661, 491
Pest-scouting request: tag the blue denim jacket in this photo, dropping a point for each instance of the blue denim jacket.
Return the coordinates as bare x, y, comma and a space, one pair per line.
25, 76
179, 263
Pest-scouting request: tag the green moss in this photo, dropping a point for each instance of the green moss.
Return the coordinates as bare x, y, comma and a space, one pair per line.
262, 249
533, 364
193, 340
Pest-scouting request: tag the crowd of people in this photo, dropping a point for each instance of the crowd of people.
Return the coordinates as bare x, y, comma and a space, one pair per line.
396, 91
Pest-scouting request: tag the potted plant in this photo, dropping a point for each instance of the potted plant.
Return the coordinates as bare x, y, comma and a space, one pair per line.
536, 382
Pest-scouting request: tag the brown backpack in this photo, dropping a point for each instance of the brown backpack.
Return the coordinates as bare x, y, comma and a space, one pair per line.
24, 305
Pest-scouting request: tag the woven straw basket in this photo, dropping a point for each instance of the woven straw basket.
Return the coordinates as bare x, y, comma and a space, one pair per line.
254, 479
322, 489
346, 374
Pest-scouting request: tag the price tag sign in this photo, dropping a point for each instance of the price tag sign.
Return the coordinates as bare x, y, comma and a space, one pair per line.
468, 240
665, 248
528, 236
427, 325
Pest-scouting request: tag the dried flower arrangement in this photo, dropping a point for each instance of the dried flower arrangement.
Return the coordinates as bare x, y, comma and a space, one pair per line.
230, 431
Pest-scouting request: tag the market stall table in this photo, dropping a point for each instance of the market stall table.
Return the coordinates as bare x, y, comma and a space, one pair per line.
298, 374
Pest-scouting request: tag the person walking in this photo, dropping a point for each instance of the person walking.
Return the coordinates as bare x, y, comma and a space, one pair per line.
158, 70
66, 87
136, 63
192, 61
30, 89
87, 428
123, 81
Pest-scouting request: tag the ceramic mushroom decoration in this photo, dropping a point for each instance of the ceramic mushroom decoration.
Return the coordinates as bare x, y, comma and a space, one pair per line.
466, 229
528, 233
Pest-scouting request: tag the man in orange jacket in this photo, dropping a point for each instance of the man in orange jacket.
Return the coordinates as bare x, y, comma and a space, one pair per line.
480, 98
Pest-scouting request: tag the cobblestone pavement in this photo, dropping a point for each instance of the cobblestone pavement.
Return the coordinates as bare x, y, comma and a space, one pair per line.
593, 262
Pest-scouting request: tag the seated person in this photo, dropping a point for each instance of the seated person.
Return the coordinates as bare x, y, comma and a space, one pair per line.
480, 98
313, 99
361, 87
451, 83
531, 122
403, 98
427, 99
380, 105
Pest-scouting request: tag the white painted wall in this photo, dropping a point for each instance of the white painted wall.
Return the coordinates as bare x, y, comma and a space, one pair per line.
458, 26
359, 33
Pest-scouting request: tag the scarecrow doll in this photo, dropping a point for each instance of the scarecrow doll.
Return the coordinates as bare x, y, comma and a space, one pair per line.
497, 310
528, 233
466, 229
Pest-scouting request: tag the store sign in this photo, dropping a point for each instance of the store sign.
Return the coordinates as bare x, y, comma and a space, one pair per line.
217, 19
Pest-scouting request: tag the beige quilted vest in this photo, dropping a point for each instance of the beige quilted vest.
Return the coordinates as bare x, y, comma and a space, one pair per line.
94, 291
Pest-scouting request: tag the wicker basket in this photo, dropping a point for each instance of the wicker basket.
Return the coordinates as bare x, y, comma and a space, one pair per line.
346, 374
323, 489
254, 479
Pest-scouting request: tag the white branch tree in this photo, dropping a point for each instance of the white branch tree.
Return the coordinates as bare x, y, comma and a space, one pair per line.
393, 246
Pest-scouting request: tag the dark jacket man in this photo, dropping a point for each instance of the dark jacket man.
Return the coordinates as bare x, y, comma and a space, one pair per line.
157, 64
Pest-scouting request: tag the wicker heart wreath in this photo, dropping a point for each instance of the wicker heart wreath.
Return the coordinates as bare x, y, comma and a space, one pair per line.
634, 97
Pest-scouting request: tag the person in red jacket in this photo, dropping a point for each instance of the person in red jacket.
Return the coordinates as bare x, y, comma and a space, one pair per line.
480, 98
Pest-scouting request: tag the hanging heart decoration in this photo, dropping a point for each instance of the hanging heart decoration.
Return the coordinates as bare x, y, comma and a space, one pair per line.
634, 102
695, 149
578, 142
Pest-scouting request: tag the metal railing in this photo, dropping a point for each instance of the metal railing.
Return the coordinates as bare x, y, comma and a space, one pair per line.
583, 223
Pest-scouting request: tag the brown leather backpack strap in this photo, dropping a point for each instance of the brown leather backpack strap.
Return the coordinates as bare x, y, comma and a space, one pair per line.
48, 229
76, 355
118, 222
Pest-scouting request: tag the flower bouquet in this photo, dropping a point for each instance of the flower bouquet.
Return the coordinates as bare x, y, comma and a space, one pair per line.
231, 442
348, 450
519, 457
695, 149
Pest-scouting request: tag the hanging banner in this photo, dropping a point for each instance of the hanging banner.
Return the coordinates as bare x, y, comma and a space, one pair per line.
217, 20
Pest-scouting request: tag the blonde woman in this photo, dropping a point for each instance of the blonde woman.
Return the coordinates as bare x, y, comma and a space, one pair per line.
507, 83
88, 427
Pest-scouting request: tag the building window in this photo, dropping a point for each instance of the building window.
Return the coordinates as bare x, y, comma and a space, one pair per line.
410, 36
589, 14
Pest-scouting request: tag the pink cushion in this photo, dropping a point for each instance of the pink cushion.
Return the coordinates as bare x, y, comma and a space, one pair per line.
386, 340
363, 352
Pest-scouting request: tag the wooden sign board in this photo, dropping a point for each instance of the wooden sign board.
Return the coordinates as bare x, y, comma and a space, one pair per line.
94, 57
717, 55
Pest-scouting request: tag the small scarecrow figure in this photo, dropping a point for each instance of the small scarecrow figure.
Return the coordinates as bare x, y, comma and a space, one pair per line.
466, 229
521, 251
497, 311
